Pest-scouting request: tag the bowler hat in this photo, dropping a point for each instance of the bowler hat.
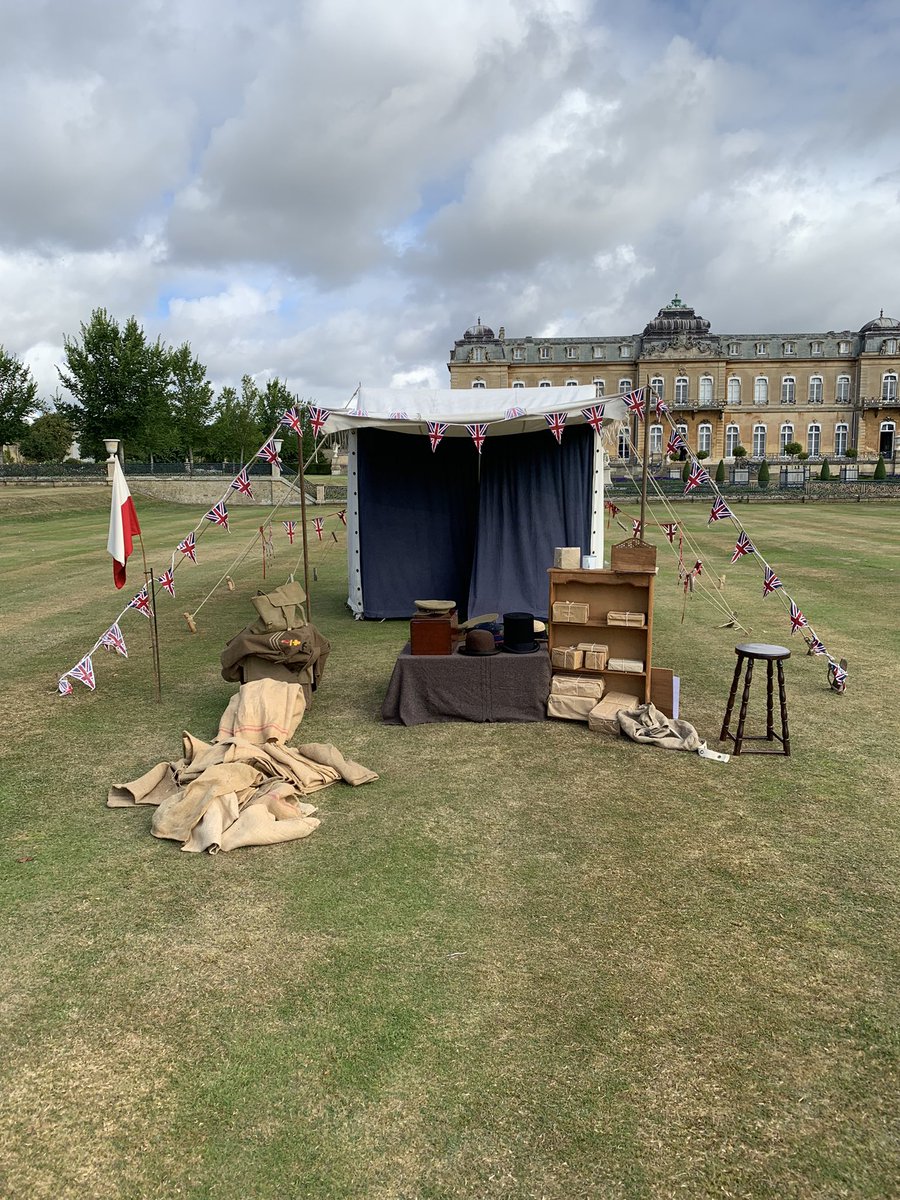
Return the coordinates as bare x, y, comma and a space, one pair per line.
479, 642
518, 633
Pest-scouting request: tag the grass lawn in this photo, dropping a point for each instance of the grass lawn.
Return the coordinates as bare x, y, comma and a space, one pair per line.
527, 962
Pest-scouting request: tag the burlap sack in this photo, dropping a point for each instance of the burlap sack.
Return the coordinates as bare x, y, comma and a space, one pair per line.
604, 717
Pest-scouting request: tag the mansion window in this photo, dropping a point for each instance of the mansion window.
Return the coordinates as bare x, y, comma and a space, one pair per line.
732, 440
840, 440
518, 353
788, 348
815, 389
571, 383
544, 352
843, 347
889, 386
478, 354
815, 348
761, 349
518, 383
624, 446
599, 387
734, 390
886, 439
681, 390
625, 386
759, 441
597, 351
813, 440
786, 436
706, 389
545, 383
842, 389
657, 385
656, 439
734, 349
571, 351
788, 389
760, 390
478, 383
704, 438
889, 346
624, 352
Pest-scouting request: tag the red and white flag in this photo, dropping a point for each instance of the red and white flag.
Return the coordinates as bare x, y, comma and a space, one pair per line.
123, 525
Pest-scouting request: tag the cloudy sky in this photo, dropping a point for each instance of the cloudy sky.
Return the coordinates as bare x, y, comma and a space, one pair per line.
333, 190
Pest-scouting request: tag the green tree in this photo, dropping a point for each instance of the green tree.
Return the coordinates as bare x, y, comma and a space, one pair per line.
740, 452
685, 471
880, 471
762, 478
191, 397
825, 473
792, 449
120, 383
235, 435
720, 471
18, 398
48, 439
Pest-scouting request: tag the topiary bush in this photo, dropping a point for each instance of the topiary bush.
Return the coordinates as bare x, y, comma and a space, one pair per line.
762, 478
825, 473
880, 469
720, 471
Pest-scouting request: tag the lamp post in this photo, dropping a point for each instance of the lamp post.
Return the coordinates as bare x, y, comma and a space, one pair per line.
112, 449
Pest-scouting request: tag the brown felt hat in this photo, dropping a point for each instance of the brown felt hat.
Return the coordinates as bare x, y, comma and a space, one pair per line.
479, 643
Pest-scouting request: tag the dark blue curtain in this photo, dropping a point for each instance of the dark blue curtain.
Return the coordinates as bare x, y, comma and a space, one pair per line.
534, 496
417, 516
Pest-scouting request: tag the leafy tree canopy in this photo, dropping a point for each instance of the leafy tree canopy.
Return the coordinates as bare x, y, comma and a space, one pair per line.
18, 398
192, 400
47, 440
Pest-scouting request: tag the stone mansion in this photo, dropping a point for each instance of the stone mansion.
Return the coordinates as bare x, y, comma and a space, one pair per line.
832, 392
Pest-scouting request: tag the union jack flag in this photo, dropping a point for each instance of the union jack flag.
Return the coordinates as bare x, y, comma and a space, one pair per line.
661, 407
399, 416
697, 568
189, 547
594, 417
478, 433
720, 511
289, 528
361, 412
798, 621
343, 516
113, 640
612, 508
167, 579
317, 419
292, 420
742, 546
436, 430
696, 477
141, 602
771, 582
512, 413
84, 672
815, 646
634, 401
318, 525
241, 483
218, 514
636, 527
65, 688
674, 444
269, 453
556, 423
670, 529
837, 676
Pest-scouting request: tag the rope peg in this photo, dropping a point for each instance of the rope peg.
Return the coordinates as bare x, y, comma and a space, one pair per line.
191, 623
229, 583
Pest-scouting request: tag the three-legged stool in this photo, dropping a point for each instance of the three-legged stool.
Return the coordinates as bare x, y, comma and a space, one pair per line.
772, 656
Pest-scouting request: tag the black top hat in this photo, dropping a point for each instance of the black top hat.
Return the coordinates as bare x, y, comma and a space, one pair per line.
479, 642
518, 633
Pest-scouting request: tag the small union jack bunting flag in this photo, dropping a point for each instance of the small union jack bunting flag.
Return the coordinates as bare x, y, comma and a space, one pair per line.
361, 412
742, 546
113, 640
84, 672
399, 416
837, 676
612, 508
670, 529
636, 527
167, 579
674, 444
436, 430
241, 483
318, 525
269, 453
661, 407
343, 516
291, 419
594, 417
141, 602
65, 688
634, 401
512, 413
478, 433
695, 478
289, 528
218, 514
815, 646
697, 568
720, 511
188, 547
798, 621
317, 419
771, 582
556, 423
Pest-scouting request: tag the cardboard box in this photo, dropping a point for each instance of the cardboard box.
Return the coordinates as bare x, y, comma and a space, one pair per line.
604, 717
571, 612
595, 660
570, 708
567, 557
566, 658
567, 685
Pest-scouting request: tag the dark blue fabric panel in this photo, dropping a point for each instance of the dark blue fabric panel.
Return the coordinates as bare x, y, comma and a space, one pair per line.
535, 495
417, 515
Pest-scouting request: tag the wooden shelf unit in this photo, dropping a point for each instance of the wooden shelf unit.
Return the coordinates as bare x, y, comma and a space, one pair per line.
604, 591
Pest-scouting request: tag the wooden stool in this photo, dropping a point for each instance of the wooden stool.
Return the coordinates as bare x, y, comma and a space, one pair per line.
773, 656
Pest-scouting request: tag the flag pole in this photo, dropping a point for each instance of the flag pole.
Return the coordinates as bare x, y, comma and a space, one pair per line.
645, 456
154, 632
303, 525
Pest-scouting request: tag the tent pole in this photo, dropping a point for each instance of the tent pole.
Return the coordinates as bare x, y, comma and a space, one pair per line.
645, 457
303, 527
597, 496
